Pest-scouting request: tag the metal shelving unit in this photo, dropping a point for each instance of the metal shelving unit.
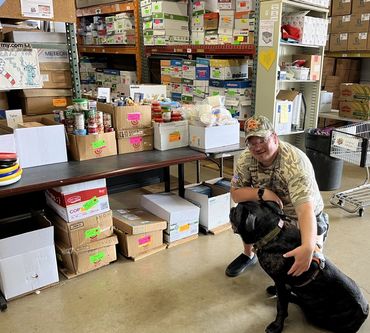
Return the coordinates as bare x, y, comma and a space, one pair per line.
110, 9
269, 56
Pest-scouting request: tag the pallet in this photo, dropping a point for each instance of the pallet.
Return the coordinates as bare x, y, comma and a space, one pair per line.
148, 253
69, 275
220, 228
182, 241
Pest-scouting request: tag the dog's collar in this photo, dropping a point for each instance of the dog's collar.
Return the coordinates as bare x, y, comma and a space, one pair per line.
269, 237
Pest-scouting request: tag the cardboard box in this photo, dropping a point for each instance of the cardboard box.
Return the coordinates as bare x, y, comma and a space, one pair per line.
37, 146
326, 99
343, 64
359, 23
174, 134
138, 231
214, 208
357, 41
7, 142
340, 23
343, 75
79, 201
55, 75
181, 215
360, 6
82, 232
355, 109
328, 66
313, 62
341, 7
87, 147
87, 258
41, 101
3, 101
27, 257
214, 136
135, 140
125, 117
353, 91
338, 42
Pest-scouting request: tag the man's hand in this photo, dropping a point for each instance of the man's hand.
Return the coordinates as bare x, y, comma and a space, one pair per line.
271, 196
302, 260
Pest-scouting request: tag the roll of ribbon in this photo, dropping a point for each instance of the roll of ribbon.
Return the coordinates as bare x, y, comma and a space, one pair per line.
9, 169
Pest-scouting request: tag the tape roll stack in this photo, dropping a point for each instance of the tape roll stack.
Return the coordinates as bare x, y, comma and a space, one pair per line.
10, 170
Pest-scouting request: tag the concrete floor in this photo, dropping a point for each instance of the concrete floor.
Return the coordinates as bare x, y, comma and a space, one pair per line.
184, 289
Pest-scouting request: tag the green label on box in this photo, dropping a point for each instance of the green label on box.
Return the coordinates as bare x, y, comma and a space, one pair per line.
156, 7
231, 92
97, 257
91, 233
216, 73
98, 144
90, 203
215, 93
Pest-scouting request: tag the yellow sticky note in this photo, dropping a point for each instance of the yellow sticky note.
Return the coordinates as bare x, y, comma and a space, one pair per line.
284, 116
266, 58
240, 38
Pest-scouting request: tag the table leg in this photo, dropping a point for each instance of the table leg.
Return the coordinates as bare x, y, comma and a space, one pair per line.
181, 179
222, 167
198, 171
167, 179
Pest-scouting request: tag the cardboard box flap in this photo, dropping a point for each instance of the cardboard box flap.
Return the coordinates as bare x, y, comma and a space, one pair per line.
105, 242
137, 221
46, 93
287, 95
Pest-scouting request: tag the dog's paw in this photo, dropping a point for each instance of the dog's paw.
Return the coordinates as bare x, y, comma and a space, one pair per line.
274, 327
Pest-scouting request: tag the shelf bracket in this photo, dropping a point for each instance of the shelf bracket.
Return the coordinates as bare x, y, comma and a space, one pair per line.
73, 59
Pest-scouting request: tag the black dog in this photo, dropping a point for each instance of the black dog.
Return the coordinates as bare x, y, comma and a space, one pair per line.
329, 298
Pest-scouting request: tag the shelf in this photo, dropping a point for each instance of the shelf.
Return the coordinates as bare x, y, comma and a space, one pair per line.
105, 49
348, 54
334, 114
248, 49
299, 45
304, 6
106, 9
49, 46
297, 81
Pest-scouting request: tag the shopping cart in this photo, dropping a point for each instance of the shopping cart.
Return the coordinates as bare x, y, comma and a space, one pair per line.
351, 144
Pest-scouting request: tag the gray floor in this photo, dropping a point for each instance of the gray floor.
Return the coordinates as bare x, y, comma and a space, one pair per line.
184, 289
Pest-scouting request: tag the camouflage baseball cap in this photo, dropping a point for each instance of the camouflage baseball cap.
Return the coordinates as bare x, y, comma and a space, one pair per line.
258, 126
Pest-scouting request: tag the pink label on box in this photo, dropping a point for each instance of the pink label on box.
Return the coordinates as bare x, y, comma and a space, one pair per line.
136, 140
144, 240
134, 116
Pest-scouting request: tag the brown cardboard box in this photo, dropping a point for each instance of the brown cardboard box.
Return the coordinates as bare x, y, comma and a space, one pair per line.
328, 65
41, 101
87, 258
138, 231
343, 74
211, 21
64, 11
82, 232
55, 75
360, 6
341, 7
30, 124
87, 147
87, 3
125, 117
340, 23
359, 22
3, 101
333, 81
353, 91
329, 25
356, 64
135, 140
313, 62
357, 41
355, 109
354, 76
338, 42
343, 64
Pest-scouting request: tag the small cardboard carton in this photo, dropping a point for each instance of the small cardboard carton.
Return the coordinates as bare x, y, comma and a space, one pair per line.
82, 232
87, 147
134, 140
355, 109
39, 145
313, 62
171, 135
87, 258
27, 258
214, 203
138, 231
79, 201
214, 136
181, 215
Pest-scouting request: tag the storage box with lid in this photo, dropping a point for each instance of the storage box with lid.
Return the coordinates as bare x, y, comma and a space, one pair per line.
174, 134
138, 231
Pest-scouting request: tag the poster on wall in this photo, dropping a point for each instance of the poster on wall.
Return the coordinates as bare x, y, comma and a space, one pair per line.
37, 8
19, 67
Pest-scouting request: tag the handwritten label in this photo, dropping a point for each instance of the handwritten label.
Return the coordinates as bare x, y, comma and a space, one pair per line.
98, 144
144, 241
90, 203
91, 233
97, 257
134, 116
136, 140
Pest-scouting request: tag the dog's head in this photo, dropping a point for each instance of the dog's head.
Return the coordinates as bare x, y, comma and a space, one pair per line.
253, 220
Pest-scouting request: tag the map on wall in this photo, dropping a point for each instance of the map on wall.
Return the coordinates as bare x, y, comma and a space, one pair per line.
19, 67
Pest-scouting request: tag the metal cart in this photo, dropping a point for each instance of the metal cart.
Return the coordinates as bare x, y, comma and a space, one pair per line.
351, 144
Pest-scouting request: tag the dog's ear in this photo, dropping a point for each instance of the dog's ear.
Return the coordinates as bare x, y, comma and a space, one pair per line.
237, 215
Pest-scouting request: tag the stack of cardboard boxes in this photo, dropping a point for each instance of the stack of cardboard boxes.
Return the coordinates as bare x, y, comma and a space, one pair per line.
83, 225
354, 101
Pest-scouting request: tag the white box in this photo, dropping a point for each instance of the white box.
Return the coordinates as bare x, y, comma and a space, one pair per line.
283, 119
214, 136
174, 134
326, 100
41, 145
27, 260
169, 7
7, 143
79, 201
150, 91
214, 210
181, 215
